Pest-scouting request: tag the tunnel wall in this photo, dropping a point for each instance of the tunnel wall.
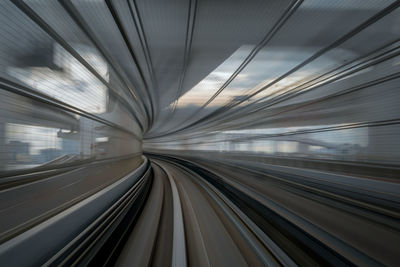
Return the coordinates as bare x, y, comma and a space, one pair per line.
61, 100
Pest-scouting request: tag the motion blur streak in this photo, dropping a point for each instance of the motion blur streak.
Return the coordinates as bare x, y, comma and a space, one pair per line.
199, 132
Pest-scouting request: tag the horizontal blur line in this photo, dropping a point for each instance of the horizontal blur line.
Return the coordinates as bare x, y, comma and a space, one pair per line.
39, 170
324, 129
292, 95
32, 94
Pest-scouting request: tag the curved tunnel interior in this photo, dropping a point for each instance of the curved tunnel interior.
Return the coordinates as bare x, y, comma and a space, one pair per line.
199, 132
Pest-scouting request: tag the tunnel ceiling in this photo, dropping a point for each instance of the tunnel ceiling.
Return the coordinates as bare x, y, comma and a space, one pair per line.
219, 65
191, 67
